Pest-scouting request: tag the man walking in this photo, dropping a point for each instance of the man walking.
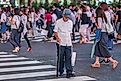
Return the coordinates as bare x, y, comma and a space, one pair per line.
63, 30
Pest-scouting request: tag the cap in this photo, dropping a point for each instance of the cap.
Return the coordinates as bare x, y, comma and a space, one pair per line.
67, 12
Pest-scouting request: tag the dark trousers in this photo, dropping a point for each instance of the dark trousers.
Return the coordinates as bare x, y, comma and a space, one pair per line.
65, 54
27, 40
15, 38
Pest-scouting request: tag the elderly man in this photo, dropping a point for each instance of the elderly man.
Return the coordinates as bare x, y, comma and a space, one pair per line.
63, 30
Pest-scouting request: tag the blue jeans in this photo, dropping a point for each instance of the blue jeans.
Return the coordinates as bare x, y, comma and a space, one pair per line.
65, 54
15, 38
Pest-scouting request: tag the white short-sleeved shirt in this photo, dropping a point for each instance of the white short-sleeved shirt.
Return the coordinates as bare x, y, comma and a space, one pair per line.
54, 17
3, 17
16, 20
64, 30
24, 21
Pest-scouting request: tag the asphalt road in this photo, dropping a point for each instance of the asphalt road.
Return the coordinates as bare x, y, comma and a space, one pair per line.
46, 52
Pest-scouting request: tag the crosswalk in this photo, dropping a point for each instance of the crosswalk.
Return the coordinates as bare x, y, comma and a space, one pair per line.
14, 68
40, 38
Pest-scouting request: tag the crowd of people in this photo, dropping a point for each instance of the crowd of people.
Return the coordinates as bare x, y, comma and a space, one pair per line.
62, 23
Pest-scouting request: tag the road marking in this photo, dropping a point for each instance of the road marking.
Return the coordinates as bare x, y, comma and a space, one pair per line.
10, 59
39, 40
4, 53
27, 75
8, 55
80, 78
26, 68
19, 63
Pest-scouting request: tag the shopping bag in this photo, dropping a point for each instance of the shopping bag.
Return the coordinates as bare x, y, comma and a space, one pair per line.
44, 32
73, 58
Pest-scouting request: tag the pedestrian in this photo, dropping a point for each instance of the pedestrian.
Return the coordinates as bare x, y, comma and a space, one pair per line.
15, 35
85, 19
25, 30
101, 49
3, 25
48, 19
63, 30
108, 14
118, 22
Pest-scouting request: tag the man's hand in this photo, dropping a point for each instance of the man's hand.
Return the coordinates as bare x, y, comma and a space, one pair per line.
57, 37
59, 40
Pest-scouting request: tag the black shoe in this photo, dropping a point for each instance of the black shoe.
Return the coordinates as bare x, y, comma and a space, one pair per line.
105, 61
61, 74
70, 75
102, 61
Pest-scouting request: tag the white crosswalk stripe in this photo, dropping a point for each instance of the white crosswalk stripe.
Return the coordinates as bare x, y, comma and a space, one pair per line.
19, 63
26, 68
8, 56
14, 67
80, 78
13, 58
40, 38
26, 75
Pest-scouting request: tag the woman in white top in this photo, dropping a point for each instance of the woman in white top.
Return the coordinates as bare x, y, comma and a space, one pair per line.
25, 31
15, 35
109, 19
3, 24
101, 49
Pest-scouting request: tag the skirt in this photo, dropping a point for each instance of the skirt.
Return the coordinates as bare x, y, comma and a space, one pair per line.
101, 49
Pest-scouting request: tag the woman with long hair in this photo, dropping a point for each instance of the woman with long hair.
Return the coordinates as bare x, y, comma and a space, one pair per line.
101, 49
25, 30
15, 35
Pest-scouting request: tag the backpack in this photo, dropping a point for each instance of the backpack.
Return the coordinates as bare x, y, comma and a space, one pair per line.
21, 27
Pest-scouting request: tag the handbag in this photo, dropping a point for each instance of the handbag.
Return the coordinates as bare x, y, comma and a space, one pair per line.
21, 27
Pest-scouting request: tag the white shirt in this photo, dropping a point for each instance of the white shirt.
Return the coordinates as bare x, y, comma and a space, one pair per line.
3, 17
54, 17
108, 16
64, 30
101, 24
16, 22
42, 11
24, 21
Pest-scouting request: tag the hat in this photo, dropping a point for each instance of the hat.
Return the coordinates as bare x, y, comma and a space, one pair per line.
67, 12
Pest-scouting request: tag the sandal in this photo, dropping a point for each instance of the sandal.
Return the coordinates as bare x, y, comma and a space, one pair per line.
95, 65
114, 64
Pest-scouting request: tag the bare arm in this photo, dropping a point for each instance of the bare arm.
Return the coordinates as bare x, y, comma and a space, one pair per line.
57, 37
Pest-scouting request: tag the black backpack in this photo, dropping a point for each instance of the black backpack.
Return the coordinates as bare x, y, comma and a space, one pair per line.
21, 27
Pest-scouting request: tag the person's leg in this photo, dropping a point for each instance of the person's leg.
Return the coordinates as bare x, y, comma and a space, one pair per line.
68, 55
114, 62
18, 39
97, 63
28, 42
11, 39
61, 59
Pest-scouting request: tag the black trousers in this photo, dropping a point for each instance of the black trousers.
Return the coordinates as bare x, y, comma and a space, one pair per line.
27, 40
65, 54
